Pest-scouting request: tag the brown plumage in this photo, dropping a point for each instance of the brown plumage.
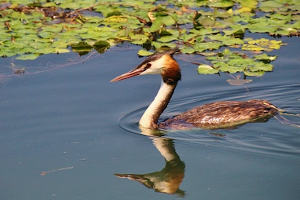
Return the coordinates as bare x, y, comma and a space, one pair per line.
222, 114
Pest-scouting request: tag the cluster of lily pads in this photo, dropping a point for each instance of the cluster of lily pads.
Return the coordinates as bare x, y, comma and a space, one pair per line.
215, 29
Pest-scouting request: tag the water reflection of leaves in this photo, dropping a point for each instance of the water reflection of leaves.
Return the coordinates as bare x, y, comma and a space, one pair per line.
238, 81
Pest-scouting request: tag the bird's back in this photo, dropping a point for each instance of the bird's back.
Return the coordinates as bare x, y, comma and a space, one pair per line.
223, 114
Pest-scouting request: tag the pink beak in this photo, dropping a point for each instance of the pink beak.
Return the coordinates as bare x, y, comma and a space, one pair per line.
127, 75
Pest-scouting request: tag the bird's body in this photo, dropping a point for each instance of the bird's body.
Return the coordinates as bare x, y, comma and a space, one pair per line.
224, 114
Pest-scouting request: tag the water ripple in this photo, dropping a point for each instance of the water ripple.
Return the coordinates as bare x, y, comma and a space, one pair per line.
272, 137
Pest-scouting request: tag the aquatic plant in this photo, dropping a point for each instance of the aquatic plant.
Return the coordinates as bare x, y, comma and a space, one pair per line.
213, 28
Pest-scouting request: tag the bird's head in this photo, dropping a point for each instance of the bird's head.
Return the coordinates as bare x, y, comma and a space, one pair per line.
159, 63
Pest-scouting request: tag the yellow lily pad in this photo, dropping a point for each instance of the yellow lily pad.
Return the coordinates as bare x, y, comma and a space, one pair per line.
262, 44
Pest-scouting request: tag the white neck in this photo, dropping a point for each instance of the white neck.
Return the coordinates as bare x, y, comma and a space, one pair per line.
166, 148
158, 105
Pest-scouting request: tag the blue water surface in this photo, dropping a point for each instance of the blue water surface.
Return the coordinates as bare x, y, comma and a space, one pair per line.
65, 130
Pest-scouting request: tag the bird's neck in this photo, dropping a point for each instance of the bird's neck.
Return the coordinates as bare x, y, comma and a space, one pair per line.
158, 105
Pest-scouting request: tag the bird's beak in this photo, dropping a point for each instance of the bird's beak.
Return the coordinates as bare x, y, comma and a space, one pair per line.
129, 74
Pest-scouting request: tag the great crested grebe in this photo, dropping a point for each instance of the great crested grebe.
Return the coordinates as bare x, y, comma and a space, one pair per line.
223, 114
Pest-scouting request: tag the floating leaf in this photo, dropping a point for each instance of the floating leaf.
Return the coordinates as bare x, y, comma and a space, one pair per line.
233, 62
206, 69
205, 31
249, 73
114, 13
82, 48
158, 45
270, 6
138, 38
201, 27
143, 52
62, 50
167, 38
156, 25
101, 46
226, 40
28, 57
265, 58
205, 21
167, 20
262, 44
247, 5
187, 50
207, 46
221, 3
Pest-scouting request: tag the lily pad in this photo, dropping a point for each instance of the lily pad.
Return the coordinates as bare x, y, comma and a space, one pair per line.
233, 62
138, 38
28, 57
158, 45
187, 50
202, 46
258, 73
143, 52
167, 38
81, 48
101, 46
262, 44
197, 27
206, 69
221, 3
226, 40
265, 58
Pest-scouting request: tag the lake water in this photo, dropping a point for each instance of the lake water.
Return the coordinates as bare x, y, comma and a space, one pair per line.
65, 131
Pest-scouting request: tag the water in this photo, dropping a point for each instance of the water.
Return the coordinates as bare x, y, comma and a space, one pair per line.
65, 130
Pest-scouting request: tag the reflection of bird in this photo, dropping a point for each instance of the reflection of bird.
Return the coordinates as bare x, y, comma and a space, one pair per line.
170, 177
222, 114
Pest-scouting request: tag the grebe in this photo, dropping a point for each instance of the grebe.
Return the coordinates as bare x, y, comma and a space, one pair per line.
223, 114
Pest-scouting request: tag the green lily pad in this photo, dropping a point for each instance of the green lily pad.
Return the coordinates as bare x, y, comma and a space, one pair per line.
265, 58
262, 44
101, 46
249, 73
202, 27
249, 4
206, 69
81, 48
199, 47
167, 20
270, 6
233, 62
28, 57
159, 45
138, 38
143, 52
159, 22
187, 50
221, 3
167, 38
226, 40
